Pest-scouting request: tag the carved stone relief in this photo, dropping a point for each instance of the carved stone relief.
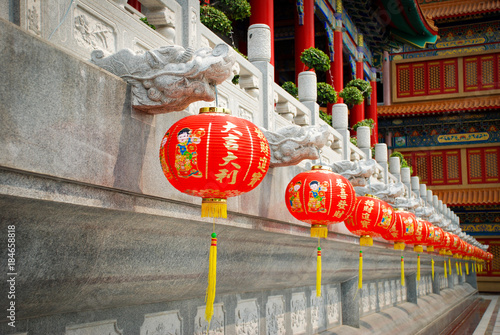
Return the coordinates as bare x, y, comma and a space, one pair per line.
394, 290
292, 144
387, 291
385, 192
245, 114
373, 296
217, 324
403, 293
381, 295
298, 313
365, 294
163, 323
169, 78
333, 305
107, 327
33, 18
275, 316
193, 27
398, 290
92, 33
247, 317
356, 172
317, 311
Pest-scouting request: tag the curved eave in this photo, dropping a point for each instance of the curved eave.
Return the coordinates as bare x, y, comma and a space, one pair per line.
408, 23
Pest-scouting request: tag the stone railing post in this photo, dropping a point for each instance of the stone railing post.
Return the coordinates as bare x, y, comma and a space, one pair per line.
308, 93
340, 122
363, 136
411, 288
406, 179
381, 158
423, 193
415, 185
395, 167
259, 54
429, 198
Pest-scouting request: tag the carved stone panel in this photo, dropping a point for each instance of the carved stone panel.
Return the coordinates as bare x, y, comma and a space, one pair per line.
275, 316
33, 16
381, 296
333, 305
92, 33
162, 323
398, 290
387, 292
107, 327
317, 311
373, 296
217, 324
245, 114
298, 313
394, 290
247, 317
365, 300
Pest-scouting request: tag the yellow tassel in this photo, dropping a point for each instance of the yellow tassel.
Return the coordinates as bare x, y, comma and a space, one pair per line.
430, 248
402, 271
432, 262
366, 241
319, 231
460, 268
214, 208
418, 248
399, 246
445, 270
449, 266
360, 274
212, 278
456, 266
467, 268
418, 268
318, 273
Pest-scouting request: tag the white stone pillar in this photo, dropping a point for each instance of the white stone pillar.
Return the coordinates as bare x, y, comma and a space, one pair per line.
259, 54
423, 192
340, 122
406, 179
381, 158
415, 185
395, 167
308, 93
363, 136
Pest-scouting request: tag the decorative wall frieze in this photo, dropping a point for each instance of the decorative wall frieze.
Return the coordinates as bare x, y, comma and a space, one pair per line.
170, 78
247, 317
298, 313
163, 323
275, 316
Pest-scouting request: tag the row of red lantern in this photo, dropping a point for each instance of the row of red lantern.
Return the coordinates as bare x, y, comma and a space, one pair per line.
321, 197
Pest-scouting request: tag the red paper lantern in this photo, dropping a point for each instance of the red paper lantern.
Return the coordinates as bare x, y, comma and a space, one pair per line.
419, 236
320, 197
371, 217
214, 155
438, 237
403, 224
429, 241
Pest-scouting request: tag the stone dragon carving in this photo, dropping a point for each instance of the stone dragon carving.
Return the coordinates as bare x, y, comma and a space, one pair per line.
170, 78
385, 192
357, 172
292, 144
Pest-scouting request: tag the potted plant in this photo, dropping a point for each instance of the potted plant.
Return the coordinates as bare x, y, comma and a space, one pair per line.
217, 16
355, 92
316, 59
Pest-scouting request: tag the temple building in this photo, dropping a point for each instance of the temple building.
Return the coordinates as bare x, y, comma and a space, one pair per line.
157, 178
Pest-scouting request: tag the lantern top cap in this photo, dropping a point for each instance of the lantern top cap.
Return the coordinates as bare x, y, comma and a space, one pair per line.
215, 110
321, 167
371, 196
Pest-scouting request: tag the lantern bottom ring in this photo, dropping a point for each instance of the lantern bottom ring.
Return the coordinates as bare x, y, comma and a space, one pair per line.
319, 230
366, 241
399, 246
214, 208
430, 248
418, 248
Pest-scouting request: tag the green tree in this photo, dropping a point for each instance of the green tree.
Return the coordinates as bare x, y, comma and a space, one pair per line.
218, 14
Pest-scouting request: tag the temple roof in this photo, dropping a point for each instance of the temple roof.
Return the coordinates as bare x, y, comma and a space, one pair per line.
401, 19
449, 9
463, 197
478, 103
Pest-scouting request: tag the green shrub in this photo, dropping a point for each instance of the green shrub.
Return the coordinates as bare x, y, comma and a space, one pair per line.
326, 94
315, 59
145, 20
364, 123
352, 96
402, 160
215, 20
362, 85
291, 88
325, 117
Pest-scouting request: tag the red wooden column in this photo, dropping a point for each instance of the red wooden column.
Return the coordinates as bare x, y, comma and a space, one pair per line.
304, 33
372, 107
358, 111
338, 44
263, 12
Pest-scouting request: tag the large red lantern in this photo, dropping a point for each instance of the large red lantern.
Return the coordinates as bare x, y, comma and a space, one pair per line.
402, 222
439, 237
429, 241
320, 197
214, 155
419, 236
371, 217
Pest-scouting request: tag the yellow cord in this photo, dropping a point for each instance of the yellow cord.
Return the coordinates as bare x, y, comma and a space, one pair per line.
318, 272
432, 262
418, 268
402, 269
445, 270
360, 274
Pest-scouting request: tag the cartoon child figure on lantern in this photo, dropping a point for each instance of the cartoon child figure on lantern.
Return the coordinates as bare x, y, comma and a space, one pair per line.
317, 196
186, 157
294, 199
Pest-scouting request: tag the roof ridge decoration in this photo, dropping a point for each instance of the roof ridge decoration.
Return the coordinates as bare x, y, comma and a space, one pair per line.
457, 8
